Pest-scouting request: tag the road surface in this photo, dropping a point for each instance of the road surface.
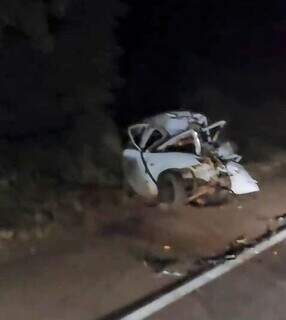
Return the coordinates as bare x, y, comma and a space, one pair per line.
89, 281
253, 291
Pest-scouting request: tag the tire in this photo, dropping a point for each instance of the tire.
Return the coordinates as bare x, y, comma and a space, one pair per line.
172, 189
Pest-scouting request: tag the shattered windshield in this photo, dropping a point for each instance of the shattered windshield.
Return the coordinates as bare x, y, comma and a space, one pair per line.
182, 145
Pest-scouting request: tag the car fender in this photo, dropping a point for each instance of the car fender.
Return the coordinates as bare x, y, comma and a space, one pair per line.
161, 161
136, 174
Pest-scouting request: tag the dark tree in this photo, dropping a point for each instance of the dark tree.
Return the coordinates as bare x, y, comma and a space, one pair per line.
58, 64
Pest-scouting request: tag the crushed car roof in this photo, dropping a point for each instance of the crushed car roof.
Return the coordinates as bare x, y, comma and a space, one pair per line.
175, 122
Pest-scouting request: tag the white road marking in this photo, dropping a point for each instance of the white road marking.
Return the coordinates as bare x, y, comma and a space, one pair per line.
187, 288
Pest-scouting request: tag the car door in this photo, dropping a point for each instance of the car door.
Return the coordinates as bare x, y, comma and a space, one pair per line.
134, 166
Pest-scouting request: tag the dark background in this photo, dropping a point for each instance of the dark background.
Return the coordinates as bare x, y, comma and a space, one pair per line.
176, 50
75, 73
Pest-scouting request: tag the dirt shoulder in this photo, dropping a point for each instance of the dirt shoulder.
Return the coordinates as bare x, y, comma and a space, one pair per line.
98, 270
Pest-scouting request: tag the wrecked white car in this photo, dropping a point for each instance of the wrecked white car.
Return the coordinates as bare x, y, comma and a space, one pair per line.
177, 158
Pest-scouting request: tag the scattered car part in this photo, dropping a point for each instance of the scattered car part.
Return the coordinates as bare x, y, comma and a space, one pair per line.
173, 273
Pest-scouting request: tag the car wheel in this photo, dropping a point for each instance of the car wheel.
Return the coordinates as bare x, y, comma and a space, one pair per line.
172, 189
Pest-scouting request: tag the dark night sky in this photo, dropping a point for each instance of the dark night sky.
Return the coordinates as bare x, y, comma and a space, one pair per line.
162, 40
170, 50
67, 65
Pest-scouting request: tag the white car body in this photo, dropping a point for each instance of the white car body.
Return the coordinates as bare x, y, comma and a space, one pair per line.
147, 155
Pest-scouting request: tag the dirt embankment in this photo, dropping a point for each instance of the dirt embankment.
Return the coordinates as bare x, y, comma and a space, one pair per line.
90, 271
99, 214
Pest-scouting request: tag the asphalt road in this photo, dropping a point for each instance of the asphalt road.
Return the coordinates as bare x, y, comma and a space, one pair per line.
254, 291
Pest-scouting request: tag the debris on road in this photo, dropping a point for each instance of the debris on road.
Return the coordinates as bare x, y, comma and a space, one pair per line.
6, 234
230, 257
170, 266
173, 273
158, 264
242, 240
238, 246
281, 220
